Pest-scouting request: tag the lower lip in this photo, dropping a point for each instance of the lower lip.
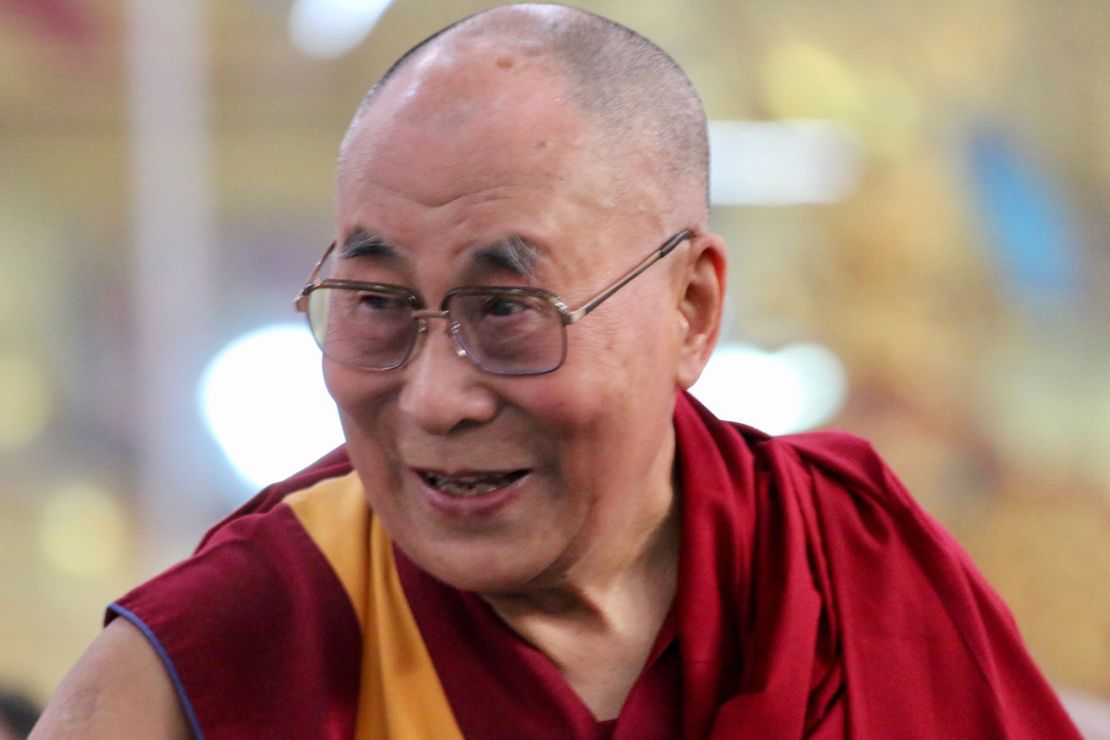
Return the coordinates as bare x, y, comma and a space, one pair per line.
480, 506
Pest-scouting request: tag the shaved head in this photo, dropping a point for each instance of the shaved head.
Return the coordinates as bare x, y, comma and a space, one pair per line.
640, 102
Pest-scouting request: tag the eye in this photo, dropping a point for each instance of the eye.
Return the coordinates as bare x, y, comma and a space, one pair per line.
503, 306
382, 302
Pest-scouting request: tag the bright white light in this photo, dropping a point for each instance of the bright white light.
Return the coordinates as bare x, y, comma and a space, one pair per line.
263, 398
781, 163
793, 389
331, 28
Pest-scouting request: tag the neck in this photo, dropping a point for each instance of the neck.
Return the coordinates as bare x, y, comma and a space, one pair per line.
634, 558
598, 622
595, 591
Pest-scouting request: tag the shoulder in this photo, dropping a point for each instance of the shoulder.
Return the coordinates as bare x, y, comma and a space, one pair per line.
266, 596
893, 568
828, 452
262, 554
289, 549
907, 612
839, 470
118, 688
335, 464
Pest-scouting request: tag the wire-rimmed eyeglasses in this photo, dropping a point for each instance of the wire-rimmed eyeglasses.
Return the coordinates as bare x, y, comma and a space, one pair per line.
504, 331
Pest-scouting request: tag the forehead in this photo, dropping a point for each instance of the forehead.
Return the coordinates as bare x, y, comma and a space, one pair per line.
458, 118
470, 145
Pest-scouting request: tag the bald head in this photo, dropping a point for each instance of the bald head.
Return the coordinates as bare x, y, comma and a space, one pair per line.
645, 114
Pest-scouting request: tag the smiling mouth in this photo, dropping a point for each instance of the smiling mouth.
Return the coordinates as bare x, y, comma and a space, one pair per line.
465, 486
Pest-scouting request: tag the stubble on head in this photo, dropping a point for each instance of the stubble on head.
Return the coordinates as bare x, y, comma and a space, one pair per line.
647, 119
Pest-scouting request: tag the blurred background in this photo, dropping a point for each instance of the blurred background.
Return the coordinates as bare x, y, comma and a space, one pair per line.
916, 197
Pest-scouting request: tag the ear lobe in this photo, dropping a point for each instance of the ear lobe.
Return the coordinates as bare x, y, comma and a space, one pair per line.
700, 304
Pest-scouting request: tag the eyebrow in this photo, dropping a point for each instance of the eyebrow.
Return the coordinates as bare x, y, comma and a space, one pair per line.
361, 243
512, 254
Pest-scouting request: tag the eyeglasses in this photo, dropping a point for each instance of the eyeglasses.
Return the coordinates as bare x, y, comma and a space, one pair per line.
504, 331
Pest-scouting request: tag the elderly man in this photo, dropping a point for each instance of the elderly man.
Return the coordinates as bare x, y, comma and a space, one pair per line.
532, 530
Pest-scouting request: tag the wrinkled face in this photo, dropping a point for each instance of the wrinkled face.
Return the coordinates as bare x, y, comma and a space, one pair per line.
493, 483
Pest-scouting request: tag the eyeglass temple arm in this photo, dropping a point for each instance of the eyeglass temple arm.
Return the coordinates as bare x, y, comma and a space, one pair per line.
625, 279
299, 302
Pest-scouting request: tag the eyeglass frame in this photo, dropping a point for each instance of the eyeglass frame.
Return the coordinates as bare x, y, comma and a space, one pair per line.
421, 313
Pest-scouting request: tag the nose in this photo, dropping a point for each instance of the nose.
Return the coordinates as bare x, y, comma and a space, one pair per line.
442, 390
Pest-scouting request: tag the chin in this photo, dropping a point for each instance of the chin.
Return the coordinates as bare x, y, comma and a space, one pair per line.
478, 568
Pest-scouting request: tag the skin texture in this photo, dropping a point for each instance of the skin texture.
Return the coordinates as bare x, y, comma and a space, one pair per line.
460, 150
466, 146
118, 688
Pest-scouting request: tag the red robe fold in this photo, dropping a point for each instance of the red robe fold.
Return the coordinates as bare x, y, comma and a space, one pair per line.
815, 599
850, 610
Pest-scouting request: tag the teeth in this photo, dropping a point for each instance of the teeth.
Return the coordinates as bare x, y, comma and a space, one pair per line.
470, 485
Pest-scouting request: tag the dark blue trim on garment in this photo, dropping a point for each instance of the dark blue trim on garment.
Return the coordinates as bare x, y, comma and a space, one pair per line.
166, 661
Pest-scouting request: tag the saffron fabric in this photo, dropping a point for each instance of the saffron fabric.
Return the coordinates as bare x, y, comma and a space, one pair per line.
255, 629
815, 599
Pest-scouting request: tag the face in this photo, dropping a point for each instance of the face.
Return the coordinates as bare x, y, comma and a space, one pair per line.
499, 484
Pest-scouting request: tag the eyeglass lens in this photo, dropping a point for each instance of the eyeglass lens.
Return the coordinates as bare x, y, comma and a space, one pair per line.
512, 335
360, 327
504, 334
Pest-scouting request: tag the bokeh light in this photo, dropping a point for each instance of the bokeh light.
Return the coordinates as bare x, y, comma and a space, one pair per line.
921, 186
802, 80
263, 399
83, 530
781, 163
790, 390
25, 401
331, 28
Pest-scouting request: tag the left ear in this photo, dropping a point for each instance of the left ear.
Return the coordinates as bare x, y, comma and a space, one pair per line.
701, 295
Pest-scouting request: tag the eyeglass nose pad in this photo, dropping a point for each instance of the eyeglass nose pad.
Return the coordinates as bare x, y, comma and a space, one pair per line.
455, 328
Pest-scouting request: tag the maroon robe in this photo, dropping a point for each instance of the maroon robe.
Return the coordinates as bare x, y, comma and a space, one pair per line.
815, 598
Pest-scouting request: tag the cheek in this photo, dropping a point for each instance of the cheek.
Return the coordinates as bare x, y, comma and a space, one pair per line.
590, 412
356, 392
360, 398
622, 381
375, 458
633, 354
338, 381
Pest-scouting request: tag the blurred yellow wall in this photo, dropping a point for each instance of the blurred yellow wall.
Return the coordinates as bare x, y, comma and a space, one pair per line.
990, 399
